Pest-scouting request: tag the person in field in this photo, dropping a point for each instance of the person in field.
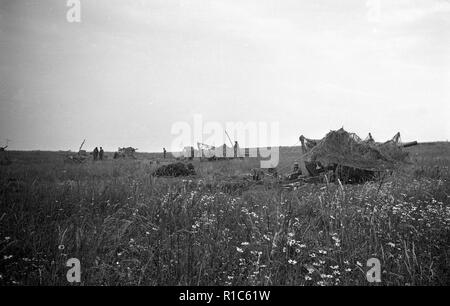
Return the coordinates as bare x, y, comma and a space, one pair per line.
164, 152
100, 153
95, 153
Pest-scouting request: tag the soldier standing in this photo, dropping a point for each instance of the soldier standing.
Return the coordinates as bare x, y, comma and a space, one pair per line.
100, 153
95, 153
164, 152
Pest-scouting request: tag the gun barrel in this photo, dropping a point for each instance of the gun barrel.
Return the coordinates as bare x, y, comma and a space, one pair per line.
409, 144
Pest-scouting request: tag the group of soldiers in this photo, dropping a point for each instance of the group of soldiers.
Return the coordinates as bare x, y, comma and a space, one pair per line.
98, 154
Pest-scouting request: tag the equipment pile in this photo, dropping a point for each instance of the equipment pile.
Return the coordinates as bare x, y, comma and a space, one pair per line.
125, 153
345, 156
175, 169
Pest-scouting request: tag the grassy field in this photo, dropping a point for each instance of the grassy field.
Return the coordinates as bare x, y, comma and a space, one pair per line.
215, 228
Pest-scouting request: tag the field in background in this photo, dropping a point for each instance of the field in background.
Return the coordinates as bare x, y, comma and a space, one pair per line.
216, 228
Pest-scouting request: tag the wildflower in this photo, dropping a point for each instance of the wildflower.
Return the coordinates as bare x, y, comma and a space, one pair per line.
239, 250
61, 247
359, 264
302, 246
147, 233
307, 277
334, 267
348, 270
322, 251
245, 243
337, 241
7, 238
313, 255
292, 262
391, 244
6, 257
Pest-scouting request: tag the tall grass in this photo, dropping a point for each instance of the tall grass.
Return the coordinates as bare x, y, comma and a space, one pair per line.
128, 227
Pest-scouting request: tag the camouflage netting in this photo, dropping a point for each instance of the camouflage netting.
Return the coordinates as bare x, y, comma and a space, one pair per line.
175, 169
347, 149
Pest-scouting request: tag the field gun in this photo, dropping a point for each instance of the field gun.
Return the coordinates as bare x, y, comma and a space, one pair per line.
206, 150
344, 156
78, 158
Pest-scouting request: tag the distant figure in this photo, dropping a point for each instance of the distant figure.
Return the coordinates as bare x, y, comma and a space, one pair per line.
100, 153
235, 149
257, 174
164, 152
95, 153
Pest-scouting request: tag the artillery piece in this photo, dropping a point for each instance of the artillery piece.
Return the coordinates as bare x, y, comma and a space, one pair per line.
80, 157
206, 151
344, 156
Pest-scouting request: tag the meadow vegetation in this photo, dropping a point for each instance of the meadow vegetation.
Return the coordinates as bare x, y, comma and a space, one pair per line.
128, 227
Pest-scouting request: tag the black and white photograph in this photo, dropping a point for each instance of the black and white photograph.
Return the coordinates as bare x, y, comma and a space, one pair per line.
236, 145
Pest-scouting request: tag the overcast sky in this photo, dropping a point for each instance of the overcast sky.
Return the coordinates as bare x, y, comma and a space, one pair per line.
131, 69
